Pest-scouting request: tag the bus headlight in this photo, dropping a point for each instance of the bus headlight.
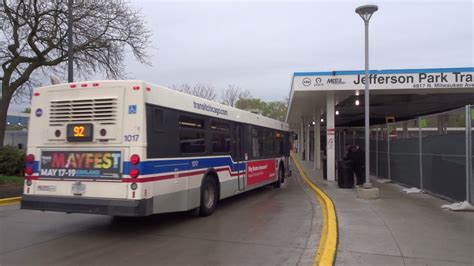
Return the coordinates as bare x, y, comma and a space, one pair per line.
29, 182
134, 186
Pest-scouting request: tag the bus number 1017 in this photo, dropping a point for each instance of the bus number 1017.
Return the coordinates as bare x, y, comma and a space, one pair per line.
131, 138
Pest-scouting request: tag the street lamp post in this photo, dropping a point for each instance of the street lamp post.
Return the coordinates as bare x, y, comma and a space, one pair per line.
70, 60
366, 12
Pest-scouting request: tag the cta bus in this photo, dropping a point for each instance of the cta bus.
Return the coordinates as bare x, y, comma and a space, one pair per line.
130, 148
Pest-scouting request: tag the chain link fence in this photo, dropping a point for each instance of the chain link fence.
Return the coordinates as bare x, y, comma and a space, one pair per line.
432, 152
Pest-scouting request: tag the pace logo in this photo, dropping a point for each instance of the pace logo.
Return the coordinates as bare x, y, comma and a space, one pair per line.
318, 82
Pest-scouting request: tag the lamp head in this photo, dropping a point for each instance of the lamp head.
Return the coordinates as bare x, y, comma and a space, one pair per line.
365, 12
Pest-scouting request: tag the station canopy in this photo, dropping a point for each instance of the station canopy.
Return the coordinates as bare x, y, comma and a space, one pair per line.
399, 93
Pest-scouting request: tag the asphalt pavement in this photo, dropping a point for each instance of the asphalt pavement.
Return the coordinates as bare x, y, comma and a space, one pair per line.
266, 226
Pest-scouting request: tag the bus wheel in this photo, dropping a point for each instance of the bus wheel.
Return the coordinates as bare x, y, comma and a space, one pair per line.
281, 177
208, 196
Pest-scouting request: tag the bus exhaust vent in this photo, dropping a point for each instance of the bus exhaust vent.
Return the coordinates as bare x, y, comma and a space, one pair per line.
103, 111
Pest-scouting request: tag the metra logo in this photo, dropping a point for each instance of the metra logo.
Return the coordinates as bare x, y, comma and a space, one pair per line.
335, 81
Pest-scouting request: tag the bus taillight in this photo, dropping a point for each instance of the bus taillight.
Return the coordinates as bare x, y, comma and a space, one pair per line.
135, 159
134, 172
30, 158
29, 170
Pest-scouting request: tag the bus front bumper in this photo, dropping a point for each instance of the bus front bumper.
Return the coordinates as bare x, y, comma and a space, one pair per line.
116, 207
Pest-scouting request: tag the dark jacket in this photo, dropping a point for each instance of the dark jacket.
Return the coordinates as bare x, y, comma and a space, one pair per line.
358, 157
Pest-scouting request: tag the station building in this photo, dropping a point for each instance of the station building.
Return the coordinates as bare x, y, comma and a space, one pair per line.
16, 133
420, 121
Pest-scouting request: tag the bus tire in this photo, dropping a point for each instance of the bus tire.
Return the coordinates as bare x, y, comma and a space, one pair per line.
209, 196
281, 177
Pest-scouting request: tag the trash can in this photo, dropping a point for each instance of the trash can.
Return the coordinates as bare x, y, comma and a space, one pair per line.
325, 169
345, 174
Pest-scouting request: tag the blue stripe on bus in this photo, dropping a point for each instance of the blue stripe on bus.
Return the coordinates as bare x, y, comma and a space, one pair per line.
169, 166
35, 166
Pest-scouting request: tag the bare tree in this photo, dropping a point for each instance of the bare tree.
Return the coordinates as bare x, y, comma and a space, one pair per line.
35, 36
199, 90
233, 93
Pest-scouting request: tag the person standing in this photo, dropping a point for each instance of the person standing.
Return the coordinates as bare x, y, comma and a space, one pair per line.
358, 158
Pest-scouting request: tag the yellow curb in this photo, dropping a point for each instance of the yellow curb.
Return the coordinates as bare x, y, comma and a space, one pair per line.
8, 201
326, 252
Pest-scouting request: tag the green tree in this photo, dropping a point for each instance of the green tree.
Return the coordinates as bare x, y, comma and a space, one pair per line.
275, 109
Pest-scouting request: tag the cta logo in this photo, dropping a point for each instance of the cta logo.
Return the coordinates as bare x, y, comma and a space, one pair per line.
306, 82
39, 112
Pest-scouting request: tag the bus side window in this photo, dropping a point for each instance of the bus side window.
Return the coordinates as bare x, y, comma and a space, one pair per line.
158, 121
192, 134
287, 144
279, 143
268, 143
192, 142
257, 142
220, 143
220, 137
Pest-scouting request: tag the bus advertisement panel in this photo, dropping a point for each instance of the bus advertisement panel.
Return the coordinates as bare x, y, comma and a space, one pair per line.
260, 171
81, 164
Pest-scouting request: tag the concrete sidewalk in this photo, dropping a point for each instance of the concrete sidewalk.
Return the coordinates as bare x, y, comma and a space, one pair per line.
397, 228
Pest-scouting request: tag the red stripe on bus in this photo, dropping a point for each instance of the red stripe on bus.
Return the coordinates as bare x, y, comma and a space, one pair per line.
147, 179
164, 177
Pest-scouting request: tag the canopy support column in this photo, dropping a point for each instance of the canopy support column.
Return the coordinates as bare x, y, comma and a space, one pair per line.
330, 137
317, 138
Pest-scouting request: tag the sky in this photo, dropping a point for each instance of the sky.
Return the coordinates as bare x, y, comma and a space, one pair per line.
258, 45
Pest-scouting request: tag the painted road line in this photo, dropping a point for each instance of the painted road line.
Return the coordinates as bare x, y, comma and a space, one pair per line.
9, 201
326, 252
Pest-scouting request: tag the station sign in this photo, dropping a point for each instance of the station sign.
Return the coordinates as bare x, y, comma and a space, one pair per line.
382, 80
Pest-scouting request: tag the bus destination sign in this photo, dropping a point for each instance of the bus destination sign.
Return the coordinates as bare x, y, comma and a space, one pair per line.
79, 132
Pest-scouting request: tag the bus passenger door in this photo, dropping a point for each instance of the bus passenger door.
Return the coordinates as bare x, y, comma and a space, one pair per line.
239, 156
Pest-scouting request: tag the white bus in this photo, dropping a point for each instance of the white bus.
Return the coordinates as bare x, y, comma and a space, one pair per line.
130, 148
